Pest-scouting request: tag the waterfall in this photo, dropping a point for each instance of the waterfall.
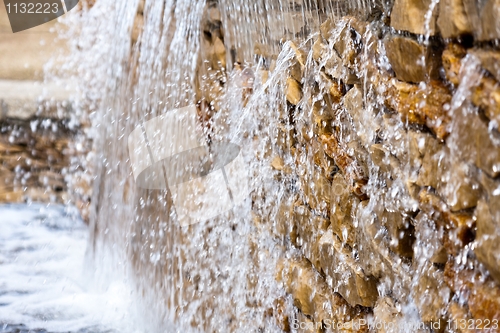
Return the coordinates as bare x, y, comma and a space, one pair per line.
307, 90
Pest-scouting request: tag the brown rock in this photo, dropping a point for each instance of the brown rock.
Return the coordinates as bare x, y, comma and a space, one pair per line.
405, 56
386, 312
456, 312
343, 210
284, 225
308, 230
452, 57
457, 17
298, 62
411, 15
280, 315
220, 53
318, 191
312, 295
434, 152
486, 95
490, 25
293, 91
484, 302
431, 295
458, 184
469, 17
477, 143
351, 169
137, 27
427, 105
488, 239
348, 45
490, 60
347, 277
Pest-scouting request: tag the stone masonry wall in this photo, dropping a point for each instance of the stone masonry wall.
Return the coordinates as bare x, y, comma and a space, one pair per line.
394, 117
405, 94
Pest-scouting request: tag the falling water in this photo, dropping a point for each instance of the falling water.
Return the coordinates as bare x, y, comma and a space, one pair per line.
222, 275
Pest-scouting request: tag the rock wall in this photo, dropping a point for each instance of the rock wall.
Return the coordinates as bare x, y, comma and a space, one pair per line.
381, 134
389, 141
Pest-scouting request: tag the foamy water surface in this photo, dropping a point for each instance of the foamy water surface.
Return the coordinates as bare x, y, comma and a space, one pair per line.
45, 283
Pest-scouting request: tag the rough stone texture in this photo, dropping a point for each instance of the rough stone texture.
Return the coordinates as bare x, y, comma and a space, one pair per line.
488, 241
388, 166
412, 16
406, 56
347, 277
461, 17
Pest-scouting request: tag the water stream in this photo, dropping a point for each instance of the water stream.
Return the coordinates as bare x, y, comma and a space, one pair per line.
219, 275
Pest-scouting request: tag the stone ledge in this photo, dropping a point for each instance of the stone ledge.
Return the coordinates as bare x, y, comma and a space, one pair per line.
29, 99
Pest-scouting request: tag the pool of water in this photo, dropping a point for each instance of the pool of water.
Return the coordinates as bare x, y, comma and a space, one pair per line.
46, 283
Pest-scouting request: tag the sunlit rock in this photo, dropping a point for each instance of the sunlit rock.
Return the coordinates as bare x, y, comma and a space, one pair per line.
293, 91
414, 16
346, 276
343, 210
488, 241
412, 61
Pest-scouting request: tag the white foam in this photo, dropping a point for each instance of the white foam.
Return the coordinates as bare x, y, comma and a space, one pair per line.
43, 283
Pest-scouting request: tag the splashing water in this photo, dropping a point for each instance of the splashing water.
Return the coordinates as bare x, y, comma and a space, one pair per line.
43, 284
221, 275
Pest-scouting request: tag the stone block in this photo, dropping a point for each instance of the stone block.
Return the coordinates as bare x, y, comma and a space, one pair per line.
312, 295
469, 17
489, 59
488, 239
427, 105
293, 91
406, 54
343, 210
308, 230
413, 16
431, 294
345, 276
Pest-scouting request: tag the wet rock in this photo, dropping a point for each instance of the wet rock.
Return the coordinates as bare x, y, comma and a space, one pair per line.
137, 27
458, 184
293, 91
405, 55
452, 57
459, 225
477, 143
489, 59
363, 120
312, 295
433, 153
284, 225
457, 312
484, 302
317, 190
308, 230
457, 17
486, 95
346, 276
351, 169
431, 295
386, 312
220, 52
487, 239
298, 62
412, 16
427, 105
280, 315
343, 210
399, 231
382, 158
490, 25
